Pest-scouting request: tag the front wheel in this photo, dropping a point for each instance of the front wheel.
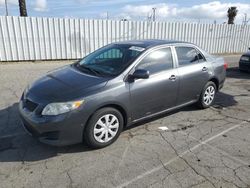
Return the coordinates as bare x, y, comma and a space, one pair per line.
208, 95
103, 128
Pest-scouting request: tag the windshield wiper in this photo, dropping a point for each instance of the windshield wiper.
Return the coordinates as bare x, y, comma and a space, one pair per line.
96, 72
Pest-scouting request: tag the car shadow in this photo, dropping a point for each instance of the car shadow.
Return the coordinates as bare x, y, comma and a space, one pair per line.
222, 100
17, 145
234, 72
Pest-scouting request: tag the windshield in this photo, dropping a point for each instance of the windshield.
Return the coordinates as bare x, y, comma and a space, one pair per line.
110, 60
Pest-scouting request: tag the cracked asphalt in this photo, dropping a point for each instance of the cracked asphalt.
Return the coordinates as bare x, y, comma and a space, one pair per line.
201, 148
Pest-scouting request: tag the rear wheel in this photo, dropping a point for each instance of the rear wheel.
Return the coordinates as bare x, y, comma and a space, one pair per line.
208, 95
103, 128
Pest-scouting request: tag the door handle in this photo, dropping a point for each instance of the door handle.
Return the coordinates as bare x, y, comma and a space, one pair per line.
172, 78
204, 69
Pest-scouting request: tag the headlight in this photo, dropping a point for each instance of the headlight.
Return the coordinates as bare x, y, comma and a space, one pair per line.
244, 58
53, 109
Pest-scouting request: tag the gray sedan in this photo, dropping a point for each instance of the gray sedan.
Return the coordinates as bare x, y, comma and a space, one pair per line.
94, 99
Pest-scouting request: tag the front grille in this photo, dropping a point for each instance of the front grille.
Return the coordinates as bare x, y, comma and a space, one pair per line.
31, 106
245, 66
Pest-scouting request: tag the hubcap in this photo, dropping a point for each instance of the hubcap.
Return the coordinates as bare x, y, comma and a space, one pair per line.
209, 95
106, 128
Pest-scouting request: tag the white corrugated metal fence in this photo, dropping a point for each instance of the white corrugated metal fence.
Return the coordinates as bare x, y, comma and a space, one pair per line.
34, 38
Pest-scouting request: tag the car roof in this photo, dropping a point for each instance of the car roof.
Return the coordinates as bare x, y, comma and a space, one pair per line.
149, 43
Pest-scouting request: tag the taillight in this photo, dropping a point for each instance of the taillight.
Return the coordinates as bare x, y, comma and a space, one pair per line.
225, 65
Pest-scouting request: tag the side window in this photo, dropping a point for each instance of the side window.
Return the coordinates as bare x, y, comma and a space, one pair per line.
157, 61
201, 57
188, 55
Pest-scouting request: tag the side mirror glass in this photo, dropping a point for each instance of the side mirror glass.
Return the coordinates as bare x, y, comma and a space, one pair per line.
140, 74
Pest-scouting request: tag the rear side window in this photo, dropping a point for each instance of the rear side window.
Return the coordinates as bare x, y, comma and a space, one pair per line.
188, 55
157, 61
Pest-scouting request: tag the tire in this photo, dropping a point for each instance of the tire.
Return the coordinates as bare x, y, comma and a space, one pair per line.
97, 133
209, 90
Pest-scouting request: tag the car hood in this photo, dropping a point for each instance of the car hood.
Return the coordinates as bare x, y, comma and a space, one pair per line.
64, 84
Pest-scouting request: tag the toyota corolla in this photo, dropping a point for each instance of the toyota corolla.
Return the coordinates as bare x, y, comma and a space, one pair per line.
94, 99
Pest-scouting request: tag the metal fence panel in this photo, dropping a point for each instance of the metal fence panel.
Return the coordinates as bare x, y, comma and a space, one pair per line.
31, 38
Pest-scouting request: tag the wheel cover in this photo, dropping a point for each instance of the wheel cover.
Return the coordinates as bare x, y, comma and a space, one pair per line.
208, 96
106, 128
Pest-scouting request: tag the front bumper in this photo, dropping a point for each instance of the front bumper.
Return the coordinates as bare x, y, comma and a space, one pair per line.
61, 130
221, 84
244, 66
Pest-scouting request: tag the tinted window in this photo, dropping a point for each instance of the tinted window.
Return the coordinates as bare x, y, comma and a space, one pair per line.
201, 57
110, 60
114, 53
188, 55
157, 61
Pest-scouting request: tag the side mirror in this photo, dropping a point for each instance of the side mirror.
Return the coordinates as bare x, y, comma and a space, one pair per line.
140, 74
249, 48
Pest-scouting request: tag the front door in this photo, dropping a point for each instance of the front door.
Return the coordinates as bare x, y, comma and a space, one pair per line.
159, 91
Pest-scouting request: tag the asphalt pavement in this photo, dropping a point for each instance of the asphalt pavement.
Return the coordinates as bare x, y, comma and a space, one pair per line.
185, 148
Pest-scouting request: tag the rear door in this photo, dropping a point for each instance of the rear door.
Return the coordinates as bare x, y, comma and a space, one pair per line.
193, 71
159, 91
